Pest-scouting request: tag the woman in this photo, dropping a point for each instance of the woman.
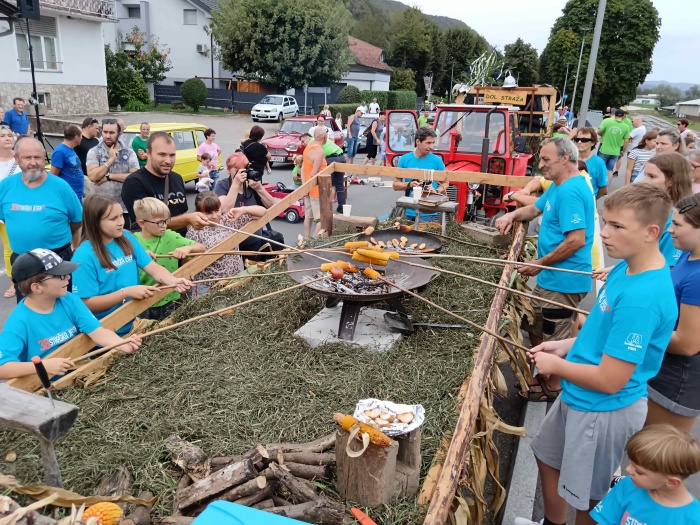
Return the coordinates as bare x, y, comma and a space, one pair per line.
695, 170
8, 167
674, 394
668, 141
326, 112
339, 120
256, 151
586, 139
639, 156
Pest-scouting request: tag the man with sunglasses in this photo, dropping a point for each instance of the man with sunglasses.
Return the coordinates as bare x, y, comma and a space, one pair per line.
90, 129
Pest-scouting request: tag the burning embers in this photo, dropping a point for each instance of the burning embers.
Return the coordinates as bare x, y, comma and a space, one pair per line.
350, 283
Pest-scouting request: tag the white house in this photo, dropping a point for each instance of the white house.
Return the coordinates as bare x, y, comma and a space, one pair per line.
68, 57
651, 98
368, 70
689, 108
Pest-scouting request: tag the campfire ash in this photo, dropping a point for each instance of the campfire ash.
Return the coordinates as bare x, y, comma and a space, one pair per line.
350, 283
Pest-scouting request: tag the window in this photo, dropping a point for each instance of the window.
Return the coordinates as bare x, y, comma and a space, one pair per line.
134, 11
190, 17
43, 42
183, 140
200, 136
44, 98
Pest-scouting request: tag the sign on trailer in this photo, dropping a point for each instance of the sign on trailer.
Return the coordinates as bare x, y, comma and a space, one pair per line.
505, 97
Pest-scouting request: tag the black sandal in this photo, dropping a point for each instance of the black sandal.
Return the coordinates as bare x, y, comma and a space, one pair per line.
543, 396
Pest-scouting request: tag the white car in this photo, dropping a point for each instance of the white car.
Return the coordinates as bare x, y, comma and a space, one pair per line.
275, 107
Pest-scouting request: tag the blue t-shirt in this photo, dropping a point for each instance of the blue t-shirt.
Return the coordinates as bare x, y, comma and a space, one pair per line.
669, 251
632, 320
28, 333
598, 172
38, 217
92, 279
626, 504
429, 162
18, 123
66, 160
566, 208
686, 281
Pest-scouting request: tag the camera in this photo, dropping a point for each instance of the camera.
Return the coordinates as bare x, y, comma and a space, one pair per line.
252, 174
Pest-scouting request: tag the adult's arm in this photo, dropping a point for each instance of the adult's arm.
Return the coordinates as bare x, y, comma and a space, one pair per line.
133, 166
317, 157
351, 118
685, 340
574, 240
266, 199
527, 213
195, 219
228, 201
75, 234
95, 172
602, 192
630, 167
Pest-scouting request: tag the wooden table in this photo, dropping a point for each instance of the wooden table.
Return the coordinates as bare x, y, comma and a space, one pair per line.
444, 209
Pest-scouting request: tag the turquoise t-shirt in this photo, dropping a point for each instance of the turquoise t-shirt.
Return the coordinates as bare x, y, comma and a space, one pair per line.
91, 279
566, 208
38, 217
669, 251
67, 161
429, 162
28, 333
632, 320
628, 505
598, 172
614, 134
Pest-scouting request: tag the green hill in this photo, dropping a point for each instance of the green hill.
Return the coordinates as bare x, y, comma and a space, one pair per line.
444, 22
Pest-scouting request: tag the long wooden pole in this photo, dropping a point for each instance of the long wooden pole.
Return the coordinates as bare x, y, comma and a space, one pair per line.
234, 277
500, 262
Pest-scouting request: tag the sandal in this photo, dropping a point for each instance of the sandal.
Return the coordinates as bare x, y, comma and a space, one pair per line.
10, 292
545, 395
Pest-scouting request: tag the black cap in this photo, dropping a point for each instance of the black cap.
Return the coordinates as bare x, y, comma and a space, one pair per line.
619, 113
38, 261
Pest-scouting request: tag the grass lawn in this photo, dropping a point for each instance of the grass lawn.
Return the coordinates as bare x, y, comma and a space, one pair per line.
668, 118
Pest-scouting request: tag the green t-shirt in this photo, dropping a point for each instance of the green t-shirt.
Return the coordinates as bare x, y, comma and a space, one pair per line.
558, 134
614, 134
331, 148
137, 144
627, 122
162, 246
422, 121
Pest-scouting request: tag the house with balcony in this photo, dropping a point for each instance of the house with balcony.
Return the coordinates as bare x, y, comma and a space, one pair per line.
68, 50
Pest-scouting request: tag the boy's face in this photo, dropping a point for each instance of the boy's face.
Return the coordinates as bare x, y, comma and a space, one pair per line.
623, 234
52, 287
648, 480
155, 226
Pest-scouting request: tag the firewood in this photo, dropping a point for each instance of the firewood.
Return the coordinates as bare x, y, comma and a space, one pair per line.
115, 484
255, 498
254, 454
279, 501
307, 458
301, 490
264, 505
309, 471
318, 445
141, 514
176, 520
185, 481
190, 458
215, 484
245, 489
321, 511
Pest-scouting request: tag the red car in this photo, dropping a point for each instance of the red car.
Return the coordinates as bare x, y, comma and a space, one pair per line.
279, 191
285, 144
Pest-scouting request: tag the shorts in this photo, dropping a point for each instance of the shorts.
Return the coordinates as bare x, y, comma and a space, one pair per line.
352, 147
610, 160
586, 447
551, 322
677, 385
371, 151
158, 313
312, 208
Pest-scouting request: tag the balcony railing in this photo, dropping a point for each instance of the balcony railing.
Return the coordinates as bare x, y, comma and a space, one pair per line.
103, 9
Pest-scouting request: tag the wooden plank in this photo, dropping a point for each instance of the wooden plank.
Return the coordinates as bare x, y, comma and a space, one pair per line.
324, 190
81, 344
52, 473
449, 476
218, 482
34, 414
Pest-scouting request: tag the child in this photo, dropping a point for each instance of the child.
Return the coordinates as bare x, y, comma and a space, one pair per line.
605, 369
296, 171
661, 458
109, 258
47, 317
153, 216
209, 204
204, 182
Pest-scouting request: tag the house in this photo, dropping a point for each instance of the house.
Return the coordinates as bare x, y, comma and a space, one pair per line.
689, 108
179, 26
368, 69
68, 53
651, 99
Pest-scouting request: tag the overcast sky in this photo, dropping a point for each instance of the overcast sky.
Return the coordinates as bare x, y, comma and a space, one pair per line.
502, 22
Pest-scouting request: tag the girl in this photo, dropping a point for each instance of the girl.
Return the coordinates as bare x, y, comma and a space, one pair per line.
674, 394
639, 156
109, 259
326, 112
668, 141
694, 158
8, 167
339, 120
209, 204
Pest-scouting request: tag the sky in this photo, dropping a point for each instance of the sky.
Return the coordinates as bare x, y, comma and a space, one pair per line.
674, 56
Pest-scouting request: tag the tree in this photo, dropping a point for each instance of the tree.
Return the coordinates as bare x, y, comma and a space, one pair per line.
124, 83
402, 80
692, 93
668, 95
194, 93
463, 46
372, 29
563, 48
348, 95
522, 60
437, 58
148, 57
630, 32
410, 43
287, 43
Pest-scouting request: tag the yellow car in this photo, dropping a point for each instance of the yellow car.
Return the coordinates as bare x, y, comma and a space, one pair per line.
187, 137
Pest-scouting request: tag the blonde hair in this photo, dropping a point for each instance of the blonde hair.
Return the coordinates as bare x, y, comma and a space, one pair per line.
665, 450
650, 204
298, 159
150, 207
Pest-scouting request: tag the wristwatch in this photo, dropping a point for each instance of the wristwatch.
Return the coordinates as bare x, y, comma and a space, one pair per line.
108, 177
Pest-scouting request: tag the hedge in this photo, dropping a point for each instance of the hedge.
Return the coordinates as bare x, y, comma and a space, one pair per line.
349, 95
402, 100
382, 98
345, 110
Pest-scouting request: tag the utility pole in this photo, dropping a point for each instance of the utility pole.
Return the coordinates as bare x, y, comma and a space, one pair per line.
592, 61
452, 74
566, 79
578, 68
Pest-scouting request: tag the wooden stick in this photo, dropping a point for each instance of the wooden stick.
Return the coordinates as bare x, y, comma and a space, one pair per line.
232, 277
500, 262
222, 311
244, 252
500, 287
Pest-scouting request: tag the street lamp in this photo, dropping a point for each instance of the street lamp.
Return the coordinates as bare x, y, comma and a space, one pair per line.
578, 68
566, 79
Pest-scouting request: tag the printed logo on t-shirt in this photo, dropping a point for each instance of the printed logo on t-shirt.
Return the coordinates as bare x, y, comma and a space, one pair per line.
121, 261
603, 301
677, 255
28, 207
547, 205
630, 520
60, 338
576, 218
633, 342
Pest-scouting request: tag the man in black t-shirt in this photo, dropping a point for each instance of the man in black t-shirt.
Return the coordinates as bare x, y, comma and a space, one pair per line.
150, 181
90, 130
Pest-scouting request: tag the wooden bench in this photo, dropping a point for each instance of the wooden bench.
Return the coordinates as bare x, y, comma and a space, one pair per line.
444, 209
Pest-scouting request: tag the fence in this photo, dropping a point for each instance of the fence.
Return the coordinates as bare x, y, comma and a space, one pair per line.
216, 98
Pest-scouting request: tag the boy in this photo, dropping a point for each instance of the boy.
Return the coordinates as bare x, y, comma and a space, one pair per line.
153, 216
47, 317
605, 369
204, 182
661, 457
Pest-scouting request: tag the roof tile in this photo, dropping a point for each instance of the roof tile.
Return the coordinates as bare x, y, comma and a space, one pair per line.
367, 55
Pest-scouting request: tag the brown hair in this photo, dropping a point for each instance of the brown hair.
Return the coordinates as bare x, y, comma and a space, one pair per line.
256, 133
692, 213
649, 135
684, 121
676, 170
593, 133
582, 166
205, 156
664, 449
95, 208
650, 204
158, 135
72, 132
25, 287
207, 202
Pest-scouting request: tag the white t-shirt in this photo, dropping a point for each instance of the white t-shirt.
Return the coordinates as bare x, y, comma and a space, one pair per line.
6, 166
313, 130
374, 107
362, 108
635, 136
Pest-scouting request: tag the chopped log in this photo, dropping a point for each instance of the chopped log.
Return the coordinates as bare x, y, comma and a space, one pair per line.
279, 501
318, 445
309, 471
321, 511
254, 454
301, 490
218, 482
190, 458
265, 493
307, 458
185, 481
176, 520
141, 514
324, 190
264, 505
245, 489
116, 484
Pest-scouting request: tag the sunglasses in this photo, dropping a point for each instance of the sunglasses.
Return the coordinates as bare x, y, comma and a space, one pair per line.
108, 121
61, 277
577, 139
161, 224
687, 208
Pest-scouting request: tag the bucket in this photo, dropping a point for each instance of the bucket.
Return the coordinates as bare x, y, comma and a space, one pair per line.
227, 513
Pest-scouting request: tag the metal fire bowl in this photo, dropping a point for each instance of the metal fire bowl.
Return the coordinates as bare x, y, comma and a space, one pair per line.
414, 237
407, 277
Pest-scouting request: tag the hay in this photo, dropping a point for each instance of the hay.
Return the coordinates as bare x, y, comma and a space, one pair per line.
229, 383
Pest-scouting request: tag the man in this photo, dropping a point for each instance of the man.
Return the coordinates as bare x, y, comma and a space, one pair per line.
362, 107
39, 211
139, 143
683, 128
423, 119
565, 241
314, 161
156, 179
353, 129
615, 136
90, 130
374, 106
65, 164
320, 124
109, 164
17, 119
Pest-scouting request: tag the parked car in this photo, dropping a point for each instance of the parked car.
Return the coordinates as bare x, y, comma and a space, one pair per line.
275, 107
286, 143
365, 120
279, 191
187, 138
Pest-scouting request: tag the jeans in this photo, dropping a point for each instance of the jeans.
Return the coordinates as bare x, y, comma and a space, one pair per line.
609, 160
338, 180
213, 175
352, 147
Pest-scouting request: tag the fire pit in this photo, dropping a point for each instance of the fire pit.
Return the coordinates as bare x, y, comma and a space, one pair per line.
414, 240
355, 290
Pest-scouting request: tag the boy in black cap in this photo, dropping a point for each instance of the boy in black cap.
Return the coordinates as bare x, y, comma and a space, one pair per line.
47, 317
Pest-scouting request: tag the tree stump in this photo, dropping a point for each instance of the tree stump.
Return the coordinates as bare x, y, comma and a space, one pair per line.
381, 473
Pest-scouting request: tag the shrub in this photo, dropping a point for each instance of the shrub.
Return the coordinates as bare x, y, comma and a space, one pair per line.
382, 98
124, 83
402, 100
345, 110
177, 104
194, 93
402, 80
348, 95
134, 105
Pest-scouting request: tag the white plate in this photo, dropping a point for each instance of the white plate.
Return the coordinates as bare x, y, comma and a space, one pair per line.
278, 159
396, 428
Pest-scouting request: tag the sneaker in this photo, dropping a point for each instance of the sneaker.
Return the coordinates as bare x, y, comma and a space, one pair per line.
526, 521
